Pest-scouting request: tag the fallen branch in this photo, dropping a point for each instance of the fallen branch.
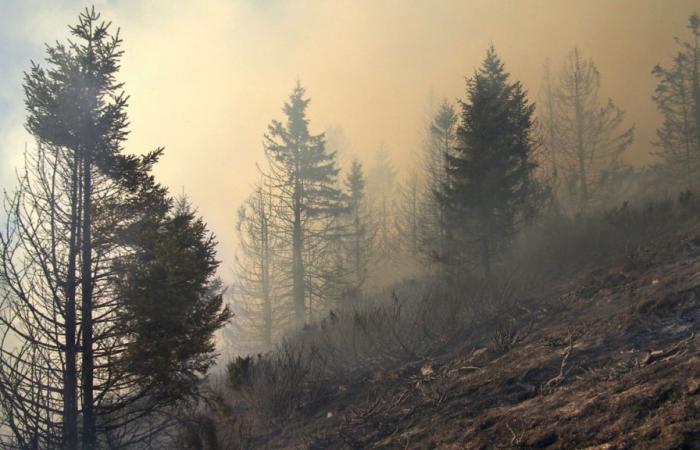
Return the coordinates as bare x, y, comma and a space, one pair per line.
677, 349
562, 368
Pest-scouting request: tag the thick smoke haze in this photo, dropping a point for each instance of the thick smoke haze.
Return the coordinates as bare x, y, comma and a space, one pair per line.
206, 77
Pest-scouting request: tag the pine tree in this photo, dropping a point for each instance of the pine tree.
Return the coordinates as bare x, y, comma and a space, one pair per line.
360, 233
409, 223
77, 104
72, 226
171, 303
441, 142
548, 118
490, 186
382, 192
677, 98
303, 177
589, 134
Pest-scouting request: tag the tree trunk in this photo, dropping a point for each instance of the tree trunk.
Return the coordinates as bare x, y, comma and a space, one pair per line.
89, 433
551, 129
265, 266
580, 147
582, 180
686, 134
414, 218
298, 274
486, 243
358, 256
70, 376
696, 90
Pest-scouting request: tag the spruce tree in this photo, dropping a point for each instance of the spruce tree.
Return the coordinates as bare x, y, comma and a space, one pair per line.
409, 220
171, 304
360, 234
82, 213
548, 118
489, 174
382, 193
441, 141
77, 104
303, 177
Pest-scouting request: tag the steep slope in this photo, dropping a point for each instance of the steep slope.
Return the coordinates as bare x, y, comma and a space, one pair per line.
608, 360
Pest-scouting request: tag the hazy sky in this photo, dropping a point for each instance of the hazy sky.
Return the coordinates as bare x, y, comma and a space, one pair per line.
206, 77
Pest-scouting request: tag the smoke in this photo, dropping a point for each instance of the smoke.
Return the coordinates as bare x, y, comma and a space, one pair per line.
205, 78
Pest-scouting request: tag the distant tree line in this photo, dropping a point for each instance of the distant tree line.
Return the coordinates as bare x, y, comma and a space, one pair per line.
490, 165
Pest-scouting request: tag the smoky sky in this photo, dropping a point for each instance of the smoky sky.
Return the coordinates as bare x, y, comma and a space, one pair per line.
206, 77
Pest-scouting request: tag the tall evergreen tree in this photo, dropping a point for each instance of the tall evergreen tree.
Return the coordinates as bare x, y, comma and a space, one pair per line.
409, 220
303, 176
171, 303
548, 118
677, 98
360, 232
72, 226
441, 142
77, 104
490, 185
382, 193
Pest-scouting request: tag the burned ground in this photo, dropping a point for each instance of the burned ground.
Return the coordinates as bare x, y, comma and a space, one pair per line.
610, 359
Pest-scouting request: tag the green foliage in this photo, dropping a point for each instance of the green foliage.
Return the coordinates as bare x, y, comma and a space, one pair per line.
171, 304
302, 159
355, 184
76, 101
303, 177
490, 188
358, 244
441, 142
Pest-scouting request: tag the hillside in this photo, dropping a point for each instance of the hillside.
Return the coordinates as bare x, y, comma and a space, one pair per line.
609, 359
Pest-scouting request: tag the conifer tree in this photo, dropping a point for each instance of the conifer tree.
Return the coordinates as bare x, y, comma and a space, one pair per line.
360, 232
382, 193
441, 142
303, 177
76, 103
548, 118
82, 212
490, 186
677, 98
171, 303
409, 223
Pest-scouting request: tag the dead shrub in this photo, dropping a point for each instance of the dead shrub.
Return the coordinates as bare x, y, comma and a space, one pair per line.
505, 338
284, 381
238, 371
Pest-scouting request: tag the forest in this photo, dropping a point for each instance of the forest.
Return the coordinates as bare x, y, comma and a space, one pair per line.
516, 281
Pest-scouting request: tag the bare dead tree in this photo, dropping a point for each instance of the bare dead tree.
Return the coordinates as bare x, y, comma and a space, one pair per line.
589, 132
262, 316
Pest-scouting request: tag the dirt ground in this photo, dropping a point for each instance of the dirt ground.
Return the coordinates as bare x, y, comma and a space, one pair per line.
610, 360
